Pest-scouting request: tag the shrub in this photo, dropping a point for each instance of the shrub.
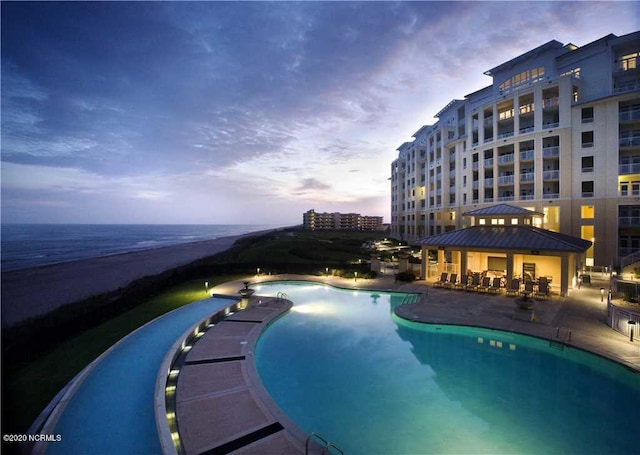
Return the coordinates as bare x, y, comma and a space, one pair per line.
405, 276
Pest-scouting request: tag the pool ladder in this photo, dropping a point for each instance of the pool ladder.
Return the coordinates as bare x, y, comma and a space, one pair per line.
326, 445
560, 344
282, 296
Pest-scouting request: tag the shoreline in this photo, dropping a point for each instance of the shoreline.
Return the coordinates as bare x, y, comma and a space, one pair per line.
36, 291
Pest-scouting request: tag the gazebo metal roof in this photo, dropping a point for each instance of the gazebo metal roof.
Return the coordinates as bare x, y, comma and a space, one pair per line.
516, 237
503, 210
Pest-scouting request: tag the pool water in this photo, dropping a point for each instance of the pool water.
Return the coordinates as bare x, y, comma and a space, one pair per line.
112, 412
341, 364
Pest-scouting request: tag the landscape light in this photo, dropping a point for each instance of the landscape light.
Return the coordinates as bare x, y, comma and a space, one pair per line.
602, 294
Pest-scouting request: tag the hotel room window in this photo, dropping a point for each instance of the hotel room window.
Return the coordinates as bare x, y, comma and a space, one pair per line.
587, 115
587, 164
587, 189
587, 212
587, 139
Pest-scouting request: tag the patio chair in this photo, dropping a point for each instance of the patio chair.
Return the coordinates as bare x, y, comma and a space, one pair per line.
464, 279
528, 288
453, 278
514, 287
475, 282
496, 286
485, 285
543, 288
441, 281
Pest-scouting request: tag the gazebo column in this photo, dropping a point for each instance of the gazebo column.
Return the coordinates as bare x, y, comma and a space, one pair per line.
509, 268
463, 261
456, 259
564, 275
425, 263
441, 260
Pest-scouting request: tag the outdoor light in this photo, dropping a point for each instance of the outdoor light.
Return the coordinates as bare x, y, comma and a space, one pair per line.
206, 287
602, 294
326, 271
631, 324
356, 276
258, 271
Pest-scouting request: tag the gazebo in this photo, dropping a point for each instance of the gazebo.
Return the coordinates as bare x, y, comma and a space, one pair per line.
504, 240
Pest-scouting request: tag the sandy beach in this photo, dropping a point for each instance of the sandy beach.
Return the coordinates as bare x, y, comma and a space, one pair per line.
36, 291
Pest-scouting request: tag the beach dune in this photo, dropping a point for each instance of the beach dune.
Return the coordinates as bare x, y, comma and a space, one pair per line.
36, 291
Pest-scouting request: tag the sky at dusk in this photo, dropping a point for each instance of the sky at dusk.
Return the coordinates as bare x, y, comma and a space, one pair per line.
242, 112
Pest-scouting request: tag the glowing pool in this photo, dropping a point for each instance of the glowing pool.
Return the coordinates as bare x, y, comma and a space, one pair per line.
341, 364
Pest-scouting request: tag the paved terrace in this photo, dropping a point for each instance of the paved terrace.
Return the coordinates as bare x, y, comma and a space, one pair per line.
223, 408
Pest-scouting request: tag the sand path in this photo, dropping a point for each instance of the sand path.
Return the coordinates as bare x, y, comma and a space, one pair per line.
36, 291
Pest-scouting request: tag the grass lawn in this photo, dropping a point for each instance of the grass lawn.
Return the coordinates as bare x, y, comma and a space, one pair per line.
30, 388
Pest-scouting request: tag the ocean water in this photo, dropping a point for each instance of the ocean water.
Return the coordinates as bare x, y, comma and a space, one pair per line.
33, 245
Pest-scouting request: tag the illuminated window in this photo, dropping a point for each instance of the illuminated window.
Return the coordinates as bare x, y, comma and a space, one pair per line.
629, 61
514, 220
494, 221
482, 221
501, 221
588, 211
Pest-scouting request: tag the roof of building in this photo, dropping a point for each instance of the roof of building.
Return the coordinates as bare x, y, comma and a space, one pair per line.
503, 209
517, 237
553, 44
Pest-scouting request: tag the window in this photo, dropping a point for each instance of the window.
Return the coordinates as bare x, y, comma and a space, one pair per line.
587, 189
514, 220
587, 164
587, 212
532, 75
629, 61
624, 188
587, 139
482, 221
587, 115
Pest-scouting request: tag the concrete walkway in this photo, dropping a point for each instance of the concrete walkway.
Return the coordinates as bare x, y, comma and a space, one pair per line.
222, 406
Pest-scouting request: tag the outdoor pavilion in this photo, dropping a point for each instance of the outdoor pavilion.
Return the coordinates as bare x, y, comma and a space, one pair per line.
503, 238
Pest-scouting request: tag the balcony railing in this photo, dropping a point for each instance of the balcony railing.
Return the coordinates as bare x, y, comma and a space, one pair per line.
633, 114
488, 139
474, 166
550, 125
633, 168
505, 135
505, 180
527, 177
549, 152
551, 195
629, 221
488, 199
630, 141
505, 159
526, 197
488, 183
550, 102
527, 155
475, 185
505, 198
626, 87
527, 129
551, 175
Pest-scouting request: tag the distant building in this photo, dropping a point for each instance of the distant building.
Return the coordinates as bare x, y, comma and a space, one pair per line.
313, 221
557, 131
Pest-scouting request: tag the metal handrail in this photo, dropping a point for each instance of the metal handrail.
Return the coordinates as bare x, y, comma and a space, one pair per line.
327, 445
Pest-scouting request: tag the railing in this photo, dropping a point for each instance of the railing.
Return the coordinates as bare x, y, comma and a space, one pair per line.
633, 114
632, 168
629, 259
551, 175
506, 198
626, 87
504, 159
550, 102
550, 125
488, 182
488, 162
505, 135
527, 197
552, 151
488, 139
474, 166
327, 446
631, 141
558, 342
505, 180
528, 177
527, 129
551, 195
527, 155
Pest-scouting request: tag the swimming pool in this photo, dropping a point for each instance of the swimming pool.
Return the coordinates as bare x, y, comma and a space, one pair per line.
112, 411
341, 364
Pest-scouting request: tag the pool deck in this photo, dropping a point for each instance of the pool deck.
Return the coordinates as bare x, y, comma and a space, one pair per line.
223, 407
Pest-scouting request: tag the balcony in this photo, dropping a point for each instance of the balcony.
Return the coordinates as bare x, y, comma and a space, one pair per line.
528, 129
505, 180
488, 162
548, 126
452, 173
527, 197
629, 221
505, 135
488, 199
551, 195
629, 116
506, 159
551, 175
488, 121
474, 166
630, 140
527, 177
527, 155
488, 139
550, 152
550, 102
633, 168
488, 183
475, 185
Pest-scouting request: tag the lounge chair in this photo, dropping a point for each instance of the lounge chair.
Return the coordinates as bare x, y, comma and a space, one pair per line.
464, 279
485, 285
514, 287
453, 278
496, 286
441, 281
475, 282
543, 288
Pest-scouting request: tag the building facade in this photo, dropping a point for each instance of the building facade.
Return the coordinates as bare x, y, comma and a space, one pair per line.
313, 220
557, 132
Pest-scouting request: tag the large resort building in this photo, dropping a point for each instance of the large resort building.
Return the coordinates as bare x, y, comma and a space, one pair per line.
557, 133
